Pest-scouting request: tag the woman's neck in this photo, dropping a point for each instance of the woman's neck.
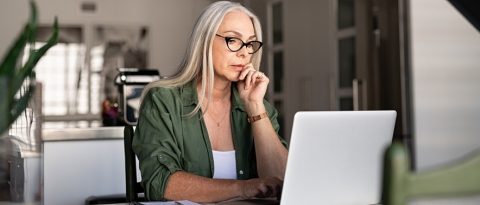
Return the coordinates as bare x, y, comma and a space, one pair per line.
221, 90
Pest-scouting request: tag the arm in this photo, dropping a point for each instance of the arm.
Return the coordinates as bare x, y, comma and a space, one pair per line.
183, 185
271, 155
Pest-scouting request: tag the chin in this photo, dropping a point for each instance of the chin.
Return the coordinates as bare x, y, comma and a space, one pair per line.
234, 80
234, 77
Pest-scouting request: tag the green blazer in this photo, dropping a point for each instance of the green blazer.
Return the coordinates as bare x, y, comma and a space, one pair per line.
167, 141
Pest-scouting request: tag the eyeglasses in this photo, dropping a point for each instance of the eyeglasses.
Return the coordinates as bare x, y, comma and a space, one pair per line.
235, 44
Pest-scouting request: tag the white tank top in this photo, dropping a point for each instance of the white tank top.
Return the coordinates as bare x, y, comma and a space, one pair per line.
224, 165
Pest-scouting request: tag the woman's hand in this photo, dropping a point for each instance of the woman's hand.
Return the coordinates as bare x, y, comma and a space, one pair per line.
252, 86
261, 187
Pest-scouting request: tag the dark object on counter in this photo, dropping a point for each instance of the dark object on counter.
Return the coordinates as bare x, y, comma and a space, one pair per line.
110, 113
130, 83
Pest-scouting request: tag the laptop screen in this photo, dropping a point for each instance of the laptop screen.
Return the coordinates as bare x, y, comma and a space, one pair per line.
335, 157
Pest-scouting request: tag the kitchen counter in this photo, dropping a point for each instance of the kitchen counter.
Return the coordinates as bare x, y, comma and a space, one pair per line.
69, 134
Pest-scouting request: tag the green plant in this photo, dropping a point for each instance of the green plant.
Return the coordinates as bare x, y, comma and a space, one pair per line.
12, 79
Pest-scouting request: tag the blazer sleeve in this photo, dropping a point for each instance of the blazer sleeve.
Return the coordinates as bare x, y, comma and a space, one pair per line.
273, 115
155, 143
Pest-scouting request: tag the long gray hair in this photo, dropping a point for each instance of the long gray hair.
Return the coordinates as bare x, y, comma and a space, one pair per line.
198, 62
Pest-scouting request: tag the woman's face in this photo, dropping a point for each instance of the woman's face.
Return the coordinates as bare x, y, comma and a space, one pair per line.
228, 64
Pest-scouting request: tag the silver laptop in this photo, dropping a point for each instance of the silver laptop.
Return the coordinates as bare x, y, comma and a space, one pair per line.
335, 157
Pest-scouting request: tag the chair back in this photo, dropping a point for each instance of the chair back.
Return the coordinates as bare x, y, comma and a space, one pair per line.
133, 79
400, 184
133, 188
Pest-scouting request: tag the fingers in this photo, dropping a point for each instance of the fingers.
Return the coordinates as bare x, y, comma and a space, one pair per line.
263, 191
247, 69
257, 75
263, 187
275, 187
268, 190
250, 76
248, 79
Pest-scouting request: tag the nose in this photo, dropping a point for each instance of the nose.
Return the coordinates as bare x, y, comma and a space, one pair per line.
243, 52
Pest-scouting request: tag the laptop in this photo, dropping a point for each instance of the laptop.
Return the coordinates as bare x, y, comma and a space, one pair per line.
335, 157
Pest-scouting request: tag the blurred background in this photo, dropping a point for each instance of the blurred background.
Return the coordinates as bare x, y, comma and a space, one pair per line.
418, 57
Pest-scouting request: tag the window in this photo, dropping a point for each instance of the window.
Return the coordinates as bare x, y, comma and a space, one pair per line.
67, 92
346, 68
77, 75
275, 58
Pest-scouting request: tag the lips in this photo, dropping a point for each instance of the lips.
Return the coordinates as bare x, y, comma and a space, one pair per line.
238, 67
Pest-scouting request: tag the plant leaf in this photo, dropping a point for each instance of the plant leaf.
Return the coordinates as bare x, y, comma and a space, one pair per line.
33, 21
4, 108
7, 68
9, 63
21, 104
33, 60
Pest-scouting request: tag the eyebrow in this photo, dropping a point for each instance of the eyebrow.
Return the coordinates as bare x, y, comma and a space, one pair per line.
239, 34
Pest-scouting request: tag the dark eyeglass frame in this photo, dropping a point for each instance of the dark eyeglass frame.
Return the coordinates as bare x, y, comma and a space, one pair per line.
243, 43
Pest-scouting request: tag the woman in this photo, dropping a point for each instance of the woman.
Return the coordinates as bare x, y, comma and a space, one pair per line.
207, 135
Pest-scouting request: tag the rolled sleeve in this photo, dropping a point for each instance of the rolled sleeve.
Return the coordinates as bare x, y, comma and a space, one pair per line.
273, 115
155, 144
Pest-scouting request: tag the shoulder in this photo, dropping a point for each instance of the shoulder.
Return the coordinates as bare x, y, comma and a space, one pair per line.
163, 92
161, 97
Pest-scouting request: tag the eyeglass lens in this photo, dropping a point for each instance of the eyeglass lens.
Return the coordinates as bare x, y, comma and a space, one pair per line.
235, 44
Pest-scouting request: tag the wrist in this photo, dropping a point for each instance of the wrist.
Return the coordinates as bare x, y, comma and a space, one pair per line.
254, 118
254, 108
238, 187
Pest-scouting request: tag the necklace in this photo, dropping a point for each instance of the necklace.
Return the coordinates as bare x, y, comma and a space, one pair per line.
215, 121
211, 113
222, 101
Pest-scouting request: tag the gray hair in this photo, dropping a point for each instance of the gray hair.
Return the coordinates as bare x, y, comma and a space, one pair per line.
198, 62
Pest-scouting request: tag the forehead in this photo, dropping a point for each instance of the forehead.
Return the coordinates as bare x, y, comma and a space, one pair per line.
237, 21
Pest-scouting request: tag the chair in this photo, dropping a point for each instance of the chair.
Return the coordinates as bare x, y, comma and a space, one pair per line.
400, 184
128, 79
133, 187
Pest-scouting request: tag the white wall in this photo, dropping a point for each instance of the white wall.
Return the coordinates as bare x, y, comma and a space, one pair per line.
309, 41
170, 22
446, 82
76, 170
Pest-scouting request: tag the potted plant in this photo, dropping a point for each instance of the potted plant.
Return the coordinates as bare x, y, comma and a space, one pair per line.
17, 85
